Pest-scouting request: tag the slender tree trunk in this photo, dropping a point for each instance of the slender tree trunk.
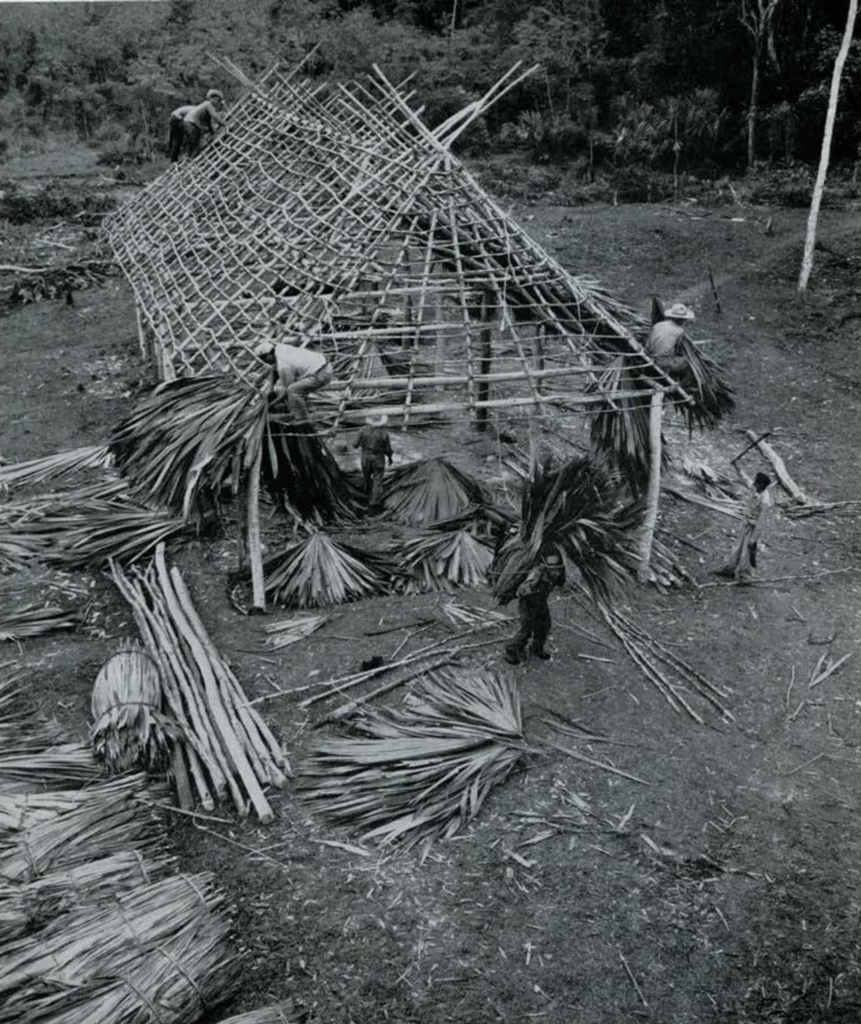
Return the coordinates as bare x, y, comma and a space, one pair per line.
819, 186
751, 114
653, 494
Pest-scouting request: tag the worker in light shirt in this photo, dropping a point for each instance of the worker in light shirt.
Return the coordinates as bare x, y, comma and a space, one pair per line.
203, 117
297, 372
176, 132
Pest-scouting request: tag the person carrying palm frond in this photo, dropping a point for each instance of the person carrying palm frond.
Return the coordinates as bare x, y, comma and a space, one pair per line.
535, 620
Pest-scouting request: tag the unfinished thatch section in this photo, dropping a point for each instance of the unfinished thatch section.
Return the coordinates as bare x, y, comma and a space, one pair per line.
336, 218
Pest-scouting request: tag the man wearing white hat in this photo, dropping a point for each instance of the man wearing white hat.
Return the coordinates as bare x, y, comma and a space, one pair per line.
376, 447
200, 118
666, 334
298, 372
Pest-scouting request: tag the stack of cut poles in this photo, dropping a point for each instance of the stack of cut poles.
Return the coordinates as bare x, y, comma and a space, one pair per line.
226, 745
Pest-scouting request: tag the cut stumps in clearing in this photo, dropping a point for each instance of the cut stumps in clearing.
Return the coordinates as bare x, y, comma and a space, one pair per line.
419, 774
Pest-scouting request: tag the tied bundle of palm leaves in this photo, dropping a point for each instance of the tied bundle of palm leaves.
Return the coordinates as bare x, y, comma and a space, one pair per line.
129, 729
31, 620
430, 490
574, 510
441, 561
111, 818
421, 773
37, 472
158, 952
703, 380
28, 906
32, 762
193, 437
317, 571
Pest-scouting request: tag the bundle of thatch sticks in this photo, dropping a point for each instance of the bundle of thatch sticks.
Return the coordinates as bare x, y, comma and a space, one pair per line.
223, 745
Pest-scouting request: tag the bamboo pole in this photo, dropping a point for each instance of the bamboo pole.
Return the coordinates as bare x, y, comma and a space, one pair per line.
485, 363
656, 409
255, 554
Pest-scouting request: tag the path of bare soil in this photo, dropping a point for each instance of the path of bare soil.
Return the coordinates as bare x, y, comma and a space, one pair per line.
751, 912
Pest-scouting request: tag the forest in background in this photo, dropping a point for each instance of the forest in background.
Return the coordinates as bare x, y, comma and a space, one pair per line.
703, 87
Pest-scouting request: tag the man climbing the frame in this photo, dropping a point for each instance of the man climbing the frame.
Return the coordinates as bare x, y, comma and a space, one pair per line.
297, 372
665, 335
755, 514
376, 447
534, 610
200, 118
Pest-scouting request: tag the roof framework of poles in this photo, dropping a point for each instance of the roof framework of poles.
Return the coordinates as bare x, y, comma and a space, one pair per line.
334, 217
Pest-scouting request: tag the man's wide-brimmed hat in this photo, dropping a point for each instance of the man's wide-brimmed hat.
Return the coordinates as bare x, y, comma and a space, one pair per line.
264, 349
377, 421
679, 311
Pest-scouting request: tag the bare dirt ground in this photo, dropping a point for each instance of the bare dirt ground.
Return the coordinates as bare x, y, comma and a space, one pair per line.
725, 886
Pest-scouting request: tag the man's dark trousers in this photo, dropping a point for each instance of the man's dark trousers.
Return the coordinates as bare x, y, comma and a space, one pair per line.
534, 624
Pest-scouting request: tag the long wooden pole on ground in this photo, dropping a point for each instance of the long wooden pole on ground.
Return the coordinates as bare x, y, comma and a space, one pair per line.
656, 415
255, 554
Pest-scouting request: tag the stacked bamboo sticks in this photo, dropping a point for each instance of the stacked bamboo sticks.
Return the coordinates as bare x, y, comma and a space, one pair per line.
226, 745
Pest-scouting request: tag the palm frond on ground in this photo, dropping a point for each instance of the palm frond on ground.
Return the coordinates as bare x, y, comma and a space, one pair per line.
418, 774
31, 620
280, 1013
317, 571
441, 561
194, 437
130, 730
431, 490
51, 468
704, 381
575, 510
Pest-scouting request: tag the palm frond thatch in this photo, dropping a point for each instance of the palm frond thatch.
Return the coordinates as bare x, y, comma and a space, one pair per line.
317, 571
575, 510
423, 772
160, 944
441, 561
34, 762
30, 906
291, 631
703, 380
130, 730
190, 438
111, 818
280, 1013
31, 620
37, 472
430, 490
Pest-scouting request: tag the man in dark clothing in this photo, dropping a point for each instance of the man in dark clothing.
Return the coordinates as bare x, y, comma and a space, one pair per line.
376, 447
203, 117
176, 136
534, 610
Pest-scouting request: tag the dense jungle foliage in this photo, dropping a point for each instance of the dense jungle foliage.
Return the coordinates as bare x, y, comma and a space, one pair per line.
698, 86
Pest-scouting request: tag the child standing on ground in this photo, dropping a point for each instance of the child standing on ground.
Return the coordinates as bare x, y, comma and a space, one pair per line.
376, 447
756, 510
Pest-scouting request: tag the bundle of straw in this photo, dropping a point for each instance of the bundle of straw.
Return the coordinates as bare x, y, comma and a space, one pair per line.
291, 631
34, 762
25, 907
317, 571
418, 774
129, 730
31, 620
112, 818
37, 472
156, 953
441, 561
432, 489
225, 744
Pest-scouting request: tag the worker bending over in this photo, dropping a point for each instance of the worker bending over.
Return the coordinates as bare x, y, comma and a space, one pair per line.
297, 372
196, 119
666, 334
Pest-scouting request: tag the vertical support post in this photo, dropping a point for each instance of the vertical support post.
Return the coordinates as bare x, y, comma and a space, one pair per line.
241, 525
485, 362
142, 338
538, 354
255, 555
408, 337
653, 494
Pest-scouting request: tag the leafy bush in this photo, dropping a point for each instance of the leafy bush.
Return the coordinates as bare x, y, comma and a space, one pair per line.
787, 185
